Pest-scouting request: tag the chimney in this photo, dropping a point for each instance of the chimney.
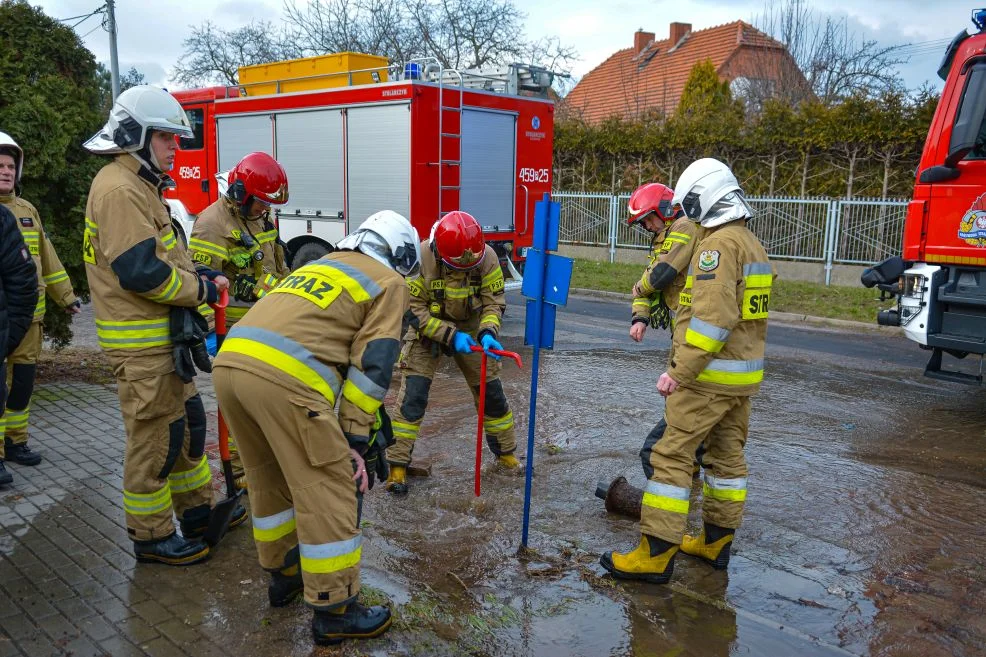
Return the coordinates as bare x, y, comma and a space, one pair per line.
678, 31
640, 40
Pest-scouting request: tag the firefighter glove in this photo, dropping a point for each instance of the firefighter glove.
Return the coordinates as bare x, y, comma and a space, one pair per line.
188, 332
241, 259
489, 342
462, 342
381, 437
244, 288
660, 314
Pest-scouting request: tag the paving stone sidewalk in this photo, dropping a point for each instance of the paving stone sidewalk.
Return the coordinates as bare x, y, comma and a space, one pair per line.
69, 584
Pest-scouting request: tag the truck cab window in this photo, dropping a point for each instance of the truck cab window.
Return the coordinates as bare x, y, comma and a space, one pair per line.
197, 118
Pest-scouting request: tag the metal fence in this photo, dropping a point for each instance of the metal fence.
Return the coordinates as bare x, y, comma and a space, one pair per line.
829, 231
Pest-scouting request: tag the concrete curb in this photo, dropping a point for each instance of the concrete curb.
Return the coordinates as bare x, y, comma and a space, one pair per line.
844, 325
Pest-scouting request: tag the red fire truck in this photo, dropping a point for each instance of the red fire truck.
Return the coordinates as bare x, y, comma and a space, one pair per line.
417, 139
940, 282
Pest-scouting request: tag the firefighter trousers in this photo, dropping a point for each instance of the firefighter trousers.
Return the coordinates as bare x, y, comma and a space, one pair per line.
21, 367
300, 474
418, 364
165, 469
693, 416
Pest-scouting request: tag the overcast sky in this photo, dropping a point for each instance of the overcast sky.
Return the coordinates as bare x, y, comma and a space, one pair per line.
151, 32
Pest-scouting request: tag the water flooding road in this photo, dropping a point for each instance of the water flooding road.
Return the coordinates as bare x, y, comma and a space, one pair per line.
863, 532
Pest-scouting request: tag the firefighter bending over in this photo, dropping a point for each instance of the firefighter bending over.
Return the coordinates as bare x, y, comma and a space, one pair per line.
235, 236
716, 367
459, 295
331, 329
655, 295
53, 281
145, 290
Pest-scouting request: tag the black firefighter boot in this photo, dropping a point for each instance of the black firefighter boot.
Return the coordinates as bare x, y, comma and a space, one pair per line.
286, 584
195, 521
20, 454
5, 477
172, 550
353, 621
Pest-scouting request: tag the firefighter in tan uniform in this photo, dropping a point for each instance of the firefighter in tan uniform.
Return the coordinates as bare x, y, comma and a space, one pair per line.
329, 332
144, 290
718, 361
235, 236
655, 295
52, 280
458, 295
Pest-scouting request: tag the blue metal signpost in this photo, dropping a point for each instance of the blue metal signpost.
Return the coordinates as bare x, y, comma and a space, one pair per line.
546, 280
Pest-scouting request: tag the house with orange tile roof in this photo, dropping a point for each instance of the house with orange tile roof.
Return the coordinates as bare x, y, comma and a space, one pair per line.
648, 78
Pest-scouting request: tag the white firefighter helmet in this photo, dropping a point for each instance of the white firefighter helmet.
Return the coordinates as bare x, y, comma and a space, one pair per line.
709, 194
389, 238
7, 144
136, 112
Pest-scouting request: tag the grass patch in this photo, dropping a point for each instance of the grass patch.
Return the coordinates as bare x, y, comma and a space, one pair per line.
836, 302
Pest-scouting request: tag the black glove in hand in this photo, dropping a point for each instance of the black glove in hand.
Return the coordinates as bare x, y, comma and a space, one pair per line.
188, 332
243, 288
183, 362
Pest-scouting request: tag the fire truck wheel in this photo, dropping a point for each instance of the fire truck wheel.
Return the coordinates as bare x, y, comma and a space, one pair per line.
308, 252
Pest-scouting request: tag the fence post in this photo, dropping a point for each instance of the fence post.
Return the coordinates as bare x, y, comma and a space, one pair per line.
830, 237
613, 207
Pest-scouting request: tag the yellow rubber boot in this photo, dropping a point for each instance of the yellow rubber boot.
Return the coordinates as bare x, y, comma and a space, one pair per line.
397, 481
652, 561
713, 552
508, 462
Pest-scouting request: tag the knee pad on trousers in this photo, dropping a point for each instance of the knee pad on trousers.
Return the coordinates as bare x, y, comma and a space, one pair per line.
176, 437
21, 386
195, 414
415, 397
655, 435
496, 401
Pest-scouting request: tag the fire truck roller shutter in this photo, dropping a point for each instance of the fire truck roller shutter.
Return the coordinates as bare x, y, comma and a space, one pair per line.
379, 161
489, 143
241, 135
310, 148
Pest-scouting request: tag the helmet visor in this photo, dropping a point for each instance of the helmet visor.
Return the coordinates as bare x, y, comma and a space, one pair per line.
277, 197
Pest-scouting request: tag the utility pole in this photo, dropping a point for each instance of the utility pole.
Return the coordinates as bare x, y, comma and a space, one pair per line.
114, 63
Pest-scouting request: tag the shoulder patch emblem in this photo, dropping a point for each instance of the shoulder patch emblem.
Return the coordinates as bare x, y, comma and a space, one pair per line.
708, 260
25, 254
27, 221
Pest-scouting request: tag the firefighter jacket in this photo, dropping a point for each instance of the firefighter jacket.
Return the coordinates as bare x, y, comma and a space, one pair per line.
721, 328
52, 277
136, 265
664, 277
330, 328
223, 241
446, 300
18, 290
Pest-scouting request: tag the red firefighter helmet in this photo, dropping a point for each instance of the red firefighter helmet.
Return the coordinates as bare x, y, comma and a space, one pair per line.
260, 176
458, 240
651, 198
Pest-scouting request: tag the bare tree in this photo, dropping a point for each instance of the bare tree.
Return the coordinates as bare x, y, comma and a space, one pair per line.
213, 55
458, 33
836, 62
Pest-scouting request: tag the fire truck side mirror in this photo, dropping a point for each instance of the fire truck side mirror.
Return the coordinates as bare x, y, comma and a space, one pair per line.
939, 174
